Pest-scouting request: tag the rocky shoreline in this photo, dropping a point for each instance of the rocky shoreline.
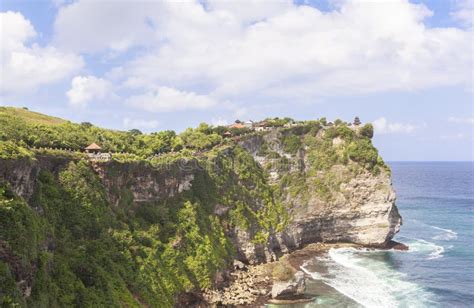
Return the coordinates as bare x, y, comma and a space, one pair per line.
256, 285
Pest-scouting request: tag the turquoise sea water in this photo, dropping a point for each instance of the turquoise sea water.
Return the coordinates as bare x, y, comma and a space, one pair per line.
436, 201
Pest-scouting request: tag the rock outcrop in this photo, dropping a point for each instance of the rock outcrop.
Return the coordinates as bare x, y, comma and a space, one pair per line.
289, 289
245, 287
358, 208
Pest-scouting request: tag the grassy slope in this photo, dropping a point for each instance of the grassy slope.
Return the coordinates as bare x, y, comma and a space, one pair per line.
30, 116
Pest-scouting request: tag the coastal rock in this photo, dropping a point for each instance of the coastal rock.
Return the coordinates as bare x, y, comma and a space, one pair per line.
397, 246
359, 208
246, 287
238, 265
289, 289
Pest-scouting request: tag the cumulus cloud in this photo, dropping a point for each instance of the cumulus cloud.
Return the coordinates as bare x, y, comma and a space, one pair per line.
462, 120
268, 51
166, 99
249, 11
113, 25
301, 53
382, 126
25, 67
85, 89
140, 123
464, 12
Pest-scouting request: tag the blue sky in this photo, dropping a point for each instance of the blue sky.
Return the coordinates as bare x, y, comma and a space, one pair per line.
404, 66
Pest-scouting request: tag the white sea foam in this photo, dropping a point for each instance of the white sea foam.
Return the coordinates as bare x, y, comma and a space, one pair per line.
437, 253
446, 235
314, 275
371, 282
432, 250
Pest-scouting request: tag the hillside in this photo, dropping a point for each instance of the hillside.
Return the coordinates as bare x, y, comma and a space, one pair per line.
169, 215
29, 116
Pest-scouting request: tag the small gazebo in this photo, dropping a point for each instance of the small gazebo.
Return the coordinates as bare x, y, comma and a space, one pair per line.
93, 148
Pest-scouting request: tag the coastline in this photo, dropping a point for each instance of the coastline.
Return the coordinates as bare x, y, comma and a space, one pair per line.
251, 285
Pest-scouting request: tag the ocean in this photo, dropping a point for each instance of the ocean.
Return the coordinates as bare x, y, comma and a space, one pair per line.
436, 201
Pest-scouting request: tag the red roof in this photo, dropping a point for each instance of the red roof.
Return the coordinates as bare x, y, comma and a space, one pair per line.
237, 125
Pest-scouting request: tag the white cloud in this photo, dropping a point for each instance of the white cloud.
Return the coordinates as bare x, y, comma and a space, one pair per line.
26, 67
466, 120
268, 51
90, 26
140, 123
166, 99
382, 126
85, 89
250, 11
301, 53
464, 12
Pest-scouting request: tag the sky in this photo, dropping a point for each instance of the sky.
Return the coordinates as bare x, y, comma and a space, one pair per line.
405, 66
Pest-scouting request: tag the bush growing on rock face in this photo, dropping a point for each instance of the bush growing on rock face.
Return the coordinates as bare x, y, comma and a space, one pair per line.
200, 138
342, 131
367, 131
283, 271
363, 151
291, 143
10, 150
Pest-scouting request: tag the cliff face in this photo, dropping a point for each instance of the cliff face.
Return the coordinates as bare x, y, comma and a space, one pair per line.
253, 200
359, 207
356, 205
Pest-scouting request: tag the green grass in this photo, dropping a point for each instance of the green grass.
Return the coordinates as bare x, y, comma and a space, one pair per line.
31, 116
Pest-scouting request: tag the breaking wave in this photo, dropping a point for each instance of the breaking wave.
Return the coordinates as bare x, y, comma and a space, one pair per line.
365, 277
447, 234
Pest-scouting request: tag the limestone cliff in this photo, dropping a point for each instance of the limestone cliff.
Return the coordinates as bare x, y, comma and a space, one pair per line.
252, 198
356, 205
342, 202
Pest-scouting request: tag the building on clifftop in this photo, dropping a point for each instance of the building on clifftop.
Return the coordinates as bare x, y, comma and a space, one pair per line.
93, 148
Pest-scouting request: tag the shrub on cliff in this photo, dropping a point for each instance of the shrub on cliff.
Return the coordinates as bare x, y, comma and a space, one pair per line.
362, 151
199, 139
10, 150
291, 143
367, 131
20, 238
283, 271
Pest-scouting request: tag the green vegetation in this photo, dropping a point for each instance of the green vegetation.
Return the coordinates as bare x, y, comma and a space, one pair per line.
277, 122
30, 116
82, 252
367, 131
33, 130
337, 145
291, 143
200, 138
11, 150
84, 241
283, 271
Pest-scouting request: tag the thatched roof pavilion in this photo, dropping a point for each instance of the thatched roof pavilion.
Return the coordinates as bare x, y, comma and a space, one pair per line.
93, 148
